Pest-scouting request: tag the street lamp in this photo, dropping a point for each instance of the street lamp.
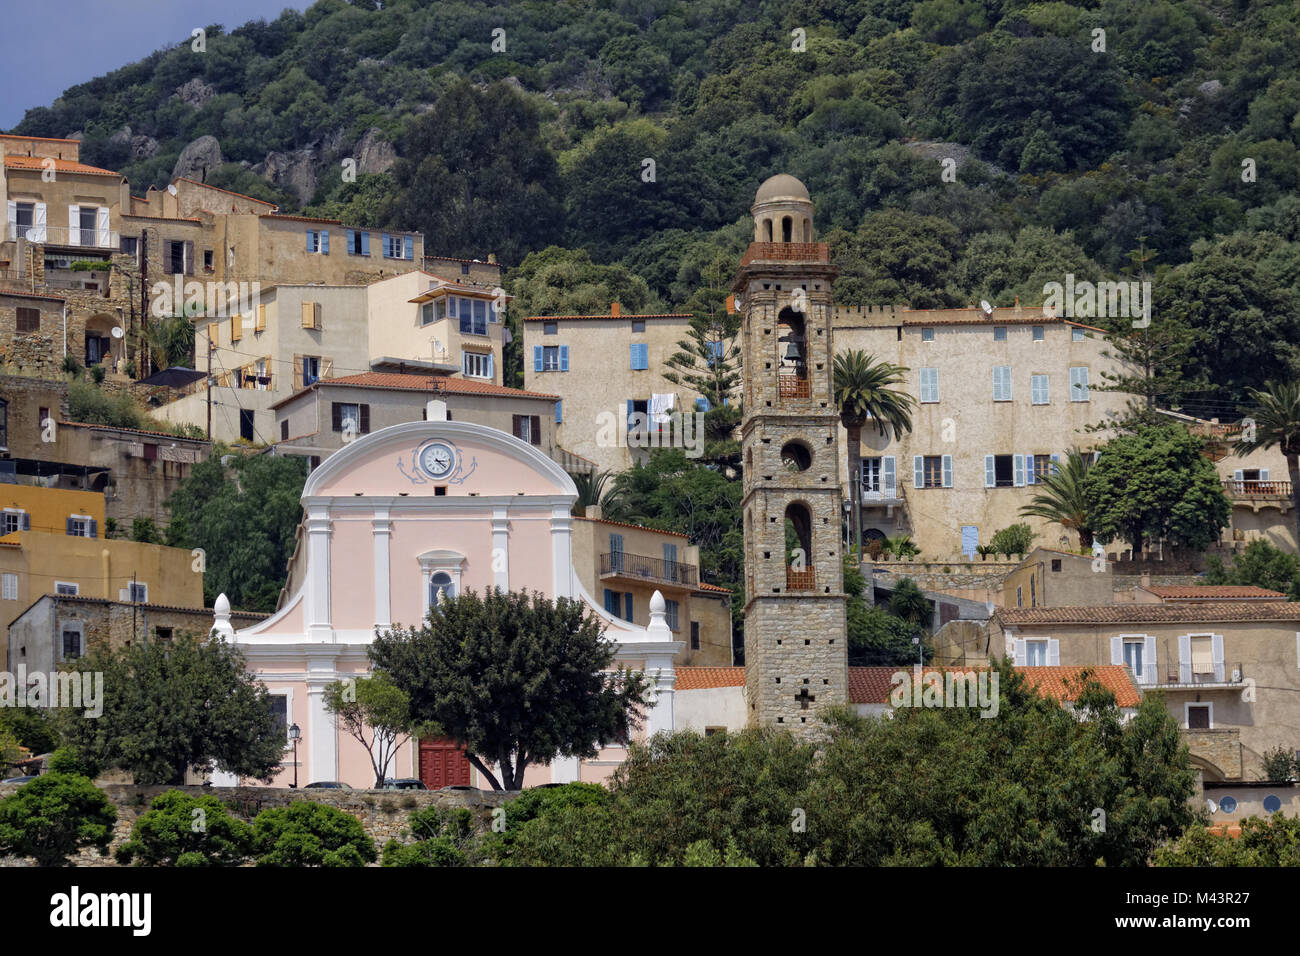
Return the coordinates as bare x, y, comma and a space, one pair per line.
294, 734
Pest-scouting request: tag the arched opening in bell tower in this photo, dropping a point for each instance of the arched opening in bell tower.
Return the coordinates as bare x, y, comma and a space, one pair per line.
792, 353
807, 230
767, 230
787, 229
798, 548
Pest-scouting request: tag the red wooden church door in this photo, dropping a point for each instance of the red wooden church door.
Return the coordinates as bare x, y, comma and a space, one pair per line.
443, 764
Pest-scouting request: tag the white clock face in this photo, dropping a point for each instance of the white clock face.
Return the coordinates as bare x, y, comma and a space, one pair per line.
438, 460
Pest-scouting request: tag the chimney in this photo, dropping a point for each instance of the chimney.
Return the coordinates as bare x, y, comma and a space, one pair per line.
1144, 580
593, 512
615, 309
492, 258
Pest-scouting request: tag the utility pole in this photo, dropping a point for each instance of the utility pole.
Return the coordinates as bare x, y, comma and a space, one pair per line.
144, 363
207, 338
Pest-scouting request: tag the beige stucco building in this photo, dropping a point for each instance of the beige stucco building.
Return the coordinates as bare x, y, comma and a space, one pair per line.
607, 370
1229, 671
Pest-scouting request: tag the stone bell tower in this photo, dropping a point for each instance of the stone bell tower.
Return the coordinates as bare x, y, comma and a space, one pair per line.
796, 654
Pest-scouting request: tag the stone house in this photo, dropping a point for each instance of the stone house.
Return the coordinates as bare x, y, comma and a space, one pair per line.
58, 628
1229, 670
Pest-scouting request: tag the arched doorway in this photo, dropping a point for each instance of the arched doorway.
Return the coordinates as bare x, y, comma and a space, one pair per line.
101, 346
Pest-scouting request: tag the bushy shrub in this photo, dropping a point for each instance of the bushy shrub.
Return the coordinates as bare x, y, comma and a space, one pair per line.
310, 834
184, 830
53, 817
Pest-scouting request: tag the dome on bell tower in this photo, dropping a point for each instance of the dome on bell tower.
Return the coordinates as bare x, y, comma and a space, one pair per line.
782, 211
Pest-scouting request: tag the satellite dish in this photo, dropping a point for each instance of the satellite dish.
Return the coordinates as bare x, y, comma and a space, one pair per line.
30, 235
172, 189
117, 332
984, 304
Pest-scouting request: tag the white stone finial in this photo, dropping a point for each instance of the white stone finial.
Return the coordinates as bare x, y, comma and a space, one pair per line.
657, 604
658, 625
221, 617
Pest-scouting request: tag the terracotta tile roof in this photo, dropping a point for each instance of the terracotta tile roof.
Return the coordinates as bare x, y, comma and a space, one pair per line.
1212, 592
456, 386
39, 139
87, 599
134, 215
481, 262
707, 678
705, 586
1222, 611
620, 317
922, 317
872, 685
60, 165
183, 179
624, 524
288, 218
33, 295
134, 431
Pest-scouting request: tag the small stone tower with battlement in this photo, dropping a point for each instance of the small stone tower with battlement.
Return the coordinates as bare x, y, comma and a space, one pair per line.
796, 654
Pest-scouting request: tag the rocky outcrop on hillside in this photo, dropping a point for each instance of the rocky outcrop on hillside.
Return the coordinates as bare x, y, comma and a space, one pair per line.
198, 159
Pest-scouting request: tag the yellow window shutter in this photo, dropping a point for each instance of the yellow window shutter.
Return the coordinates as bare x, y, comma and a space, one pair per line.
236, 328
326, 368
261, 318
309, 315
297, 372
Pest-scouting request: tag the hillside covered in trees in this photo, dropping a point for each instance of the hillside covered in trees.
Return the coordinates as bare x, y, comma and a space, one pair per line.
1100, 139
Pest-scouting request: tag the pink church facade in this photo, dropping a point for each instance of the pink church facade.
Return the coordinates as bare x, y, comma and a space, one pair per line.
394, 520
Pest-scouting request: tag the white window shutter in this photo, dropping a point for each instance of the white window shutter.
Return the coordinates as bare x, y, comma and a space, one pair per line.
1185, 658
1149, 662
1263, 474
889, 481
918, 471
40, 221
1216, 647
1117, 650
1236, 475
11, 217
1053, 653
74, 224
990, 474
947, 471
1018, 470
1056, 464
101, 227
1019, 657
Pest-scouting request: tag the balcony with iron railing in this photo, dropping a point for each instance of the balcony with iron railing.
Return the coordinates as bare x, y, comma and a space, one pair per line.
1258, 494
1219, 674
621, 564
51, 235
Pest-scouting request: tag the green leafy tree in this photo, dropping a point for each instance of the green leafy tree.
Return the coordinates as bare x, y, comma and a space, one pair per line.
377, 714
9, 752
1060, 497
1155, 483
31, 727
1271, 842
244, 519
169, 707
145, 531
307, 833
184, 830
909, 603
708, 359
592, 490
53, 817
1275, 423
444, 837
516, 679
1013, 539
536, 802
1261, 564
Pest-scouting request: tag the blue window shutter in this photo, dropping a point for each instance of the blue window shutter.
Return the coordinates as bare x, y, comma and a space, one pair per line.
408, 248
537, 358
610, 599
325, 242
627, 605
352, 240
385, 250
365, 243
94, 528
67, 526
631, 410
640, 356
632, 358
310, 244
27, 522
491, 369
559, 411
564, 358
1056, 464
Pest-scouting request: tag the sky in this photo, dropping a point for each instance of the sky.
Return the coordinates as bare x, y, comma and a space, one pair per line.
52, 46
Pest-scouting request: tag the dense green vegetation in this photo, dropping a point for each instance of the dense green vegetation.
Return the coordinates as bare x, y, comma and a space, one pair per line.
1069, 156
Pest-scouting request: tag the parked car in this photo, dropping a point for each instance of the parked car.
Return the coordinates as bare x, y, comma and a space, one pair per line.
327, 785
461, 786
27, 779
404, 783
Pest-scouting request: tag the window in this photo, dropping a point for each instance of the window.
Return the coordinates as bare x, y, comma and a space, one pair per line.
871, 476
716, 352
1200, 716
638, 325
247, 428
1039, 390
1135, 655
318, 240
932, 471
9, 587
1035, 653
464, 268
1039, 467
138, 593
177, 261
550, 358
1202, 654
1056, 564
1005, 471
82, 526
29, 320
1076, 334
66, 588
72, 648
1033, 591
310, 370
358, 242
15, 520
616, 553
640, 357
4, 424
1078, 383
670, 612
929, 385
399, 247
441, 587
550, 328
1020, 597
1038, 333
559, 411
278, 704
24, 219
284, 430
476, 364
472, 314
350, 417
129, 245
43, 418
434, 311
927, 335
527, 428
311, 314
999, 333
207, 260
1002, 383
695, 635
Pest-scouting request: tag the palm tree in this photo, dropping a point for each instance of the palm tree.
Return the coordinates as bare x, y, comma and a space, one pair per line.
591, 491
863, 393
1062, 500
1275, 422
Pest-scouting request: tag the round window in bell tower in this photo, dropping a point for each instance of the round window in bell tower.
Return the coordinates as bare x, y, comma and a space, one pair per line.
796, 456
